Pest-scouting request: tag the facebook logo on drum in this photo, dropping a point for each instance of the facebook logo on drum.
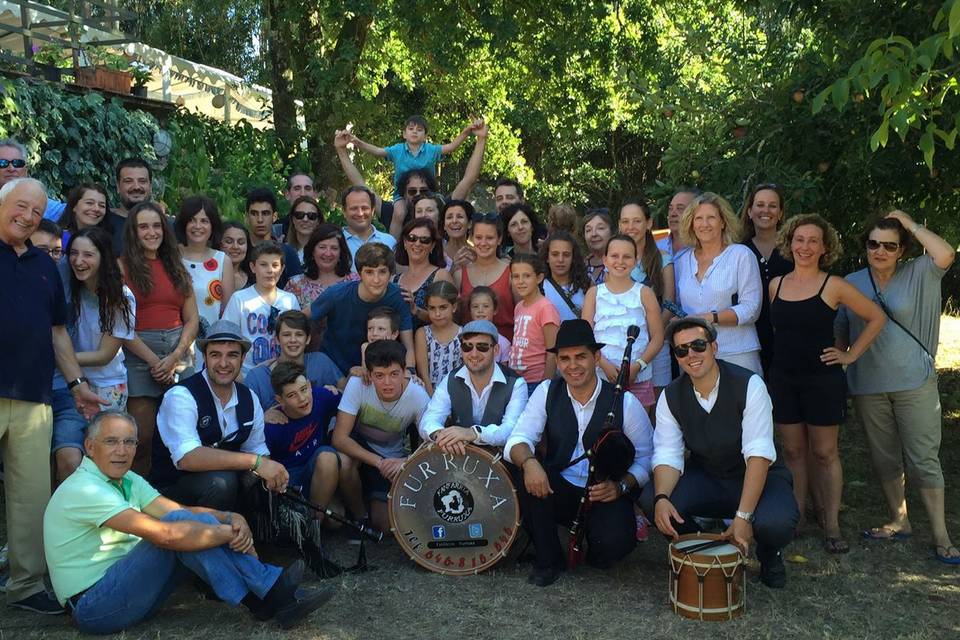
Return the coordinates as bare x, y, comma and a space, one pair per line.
476, 530
439, 532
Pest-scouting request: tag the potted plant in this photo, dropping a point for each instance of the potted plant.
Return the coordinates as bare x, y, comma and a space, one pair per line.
141, 76
109, 71
49, 61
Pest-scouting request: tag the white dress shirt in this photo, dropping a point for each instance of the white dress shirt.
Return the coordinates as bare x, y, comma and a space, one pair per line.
636, 426
177, 422
732, 273
757, 425
494, 435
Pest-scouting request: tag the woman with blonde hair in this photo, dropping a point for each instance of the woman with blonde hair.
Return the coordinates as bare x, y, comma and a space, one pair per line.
807, 383
719, 280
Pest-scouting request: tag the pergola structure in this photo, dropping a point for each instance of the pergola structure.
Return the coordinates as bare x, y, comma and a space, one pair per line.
25, 26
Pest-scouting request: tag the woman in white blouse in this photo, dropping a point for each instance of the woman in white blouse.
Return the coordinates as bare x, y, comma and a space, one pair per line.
719, 280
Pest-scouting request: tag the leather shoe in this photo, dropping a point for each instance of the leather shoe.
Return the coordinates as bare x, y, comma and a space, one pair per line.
772, 572
303, 603
543, 577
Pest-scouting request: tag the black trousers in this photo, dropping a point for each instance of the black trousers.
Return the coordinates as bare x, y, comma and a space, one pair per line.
212, 489
610, 526
700, 494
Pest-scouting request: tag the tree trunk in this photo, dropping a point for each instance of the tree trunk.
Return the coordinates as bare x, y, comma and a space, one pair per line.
280, 42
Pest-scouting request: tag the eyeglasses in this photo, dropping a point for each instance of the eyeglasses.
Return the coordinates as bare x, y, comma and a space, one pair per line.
17, 164
493, 216
56, 253
126, 443
681, 350
312, 216
272, 319
424, 240
482, 347
889, 247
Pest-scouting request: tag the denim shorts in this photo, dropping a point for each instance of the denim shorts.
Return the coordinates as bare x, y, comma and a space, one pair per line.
69, 427
302, 474
140, 382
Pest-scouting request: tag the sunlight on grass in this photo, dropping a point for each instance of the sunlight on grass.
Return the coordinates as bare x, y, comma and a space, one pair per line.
948, 353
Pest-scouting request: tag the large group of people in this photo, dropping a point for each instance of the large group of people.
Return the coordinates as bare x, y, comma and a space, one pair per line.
161, 367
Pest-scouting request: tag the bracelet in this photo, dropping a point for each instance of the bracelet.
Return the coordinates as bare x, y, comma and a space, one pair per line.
916, 227
256, 465
643, 363
660, 496
75, 383
716, 317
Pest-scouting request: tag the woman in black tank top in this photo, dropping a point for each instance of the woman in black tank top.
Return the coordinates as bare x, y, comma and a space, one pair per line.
807, 382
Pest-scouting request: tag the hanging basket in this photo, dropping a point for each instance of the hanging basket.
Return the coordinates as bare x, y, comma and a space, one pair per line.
105, 79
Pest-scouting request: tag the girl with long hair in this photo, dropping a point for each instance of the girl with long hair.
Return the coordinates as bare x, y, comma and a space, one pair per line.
236, 244
305, 217
86, 207
489, 269
567, 280
167, 319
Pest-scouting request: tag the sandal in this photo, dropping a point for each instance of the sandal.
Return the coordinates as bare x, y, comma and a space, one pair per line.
945, 557
835, 545
886, 533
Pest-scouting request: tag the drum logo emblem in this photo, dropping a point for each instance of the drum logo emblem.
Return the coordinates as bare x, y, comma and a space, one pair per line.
453, 502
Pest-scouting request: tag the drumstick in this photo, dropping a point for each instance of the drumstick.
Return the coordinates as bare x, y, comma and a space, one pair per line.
703, 546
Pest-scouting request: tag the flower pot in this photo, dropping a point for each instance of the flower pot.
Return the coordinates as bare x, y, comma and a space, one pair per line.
139, 90
49, 72
105, 79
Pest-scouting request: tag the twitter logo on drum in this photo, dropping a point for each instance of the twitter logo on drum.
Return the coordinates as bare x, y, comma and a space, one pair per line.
439, 532
476, 530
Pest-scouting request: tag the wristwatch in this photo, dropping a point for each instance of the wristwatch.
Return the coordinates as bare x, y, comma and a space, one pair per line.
623, 488
643, 363
477, 430
75, 383
745, 515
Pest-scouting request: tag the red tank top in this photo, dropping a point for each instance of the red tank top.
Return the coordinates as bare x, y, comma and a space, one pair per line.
503, 318
160, 309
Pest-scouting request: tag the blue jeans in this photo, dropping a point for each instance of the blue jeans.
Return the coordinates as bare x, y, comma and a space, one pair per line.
135, 587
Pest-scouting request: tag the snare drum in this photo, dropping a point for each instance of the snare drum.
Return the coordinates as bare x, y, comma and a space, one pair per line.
706, 583
454, 514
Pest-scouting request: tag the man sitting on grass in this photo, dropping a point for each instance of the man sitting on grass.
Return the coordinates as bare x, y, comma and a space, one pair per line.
116, 548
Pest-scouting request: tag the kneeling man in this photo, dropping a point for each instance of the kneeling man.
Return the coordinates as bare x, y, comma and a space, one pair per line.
722, 414
116, 548
480, 401
570, 413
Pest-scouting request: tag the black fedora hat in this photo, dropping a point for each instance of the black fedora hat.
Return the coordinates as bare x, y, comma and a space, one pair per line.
576, 333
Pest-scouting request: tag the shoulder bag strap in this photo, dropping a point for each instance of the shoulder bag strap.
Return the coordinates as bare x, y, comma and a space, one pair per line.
886, 310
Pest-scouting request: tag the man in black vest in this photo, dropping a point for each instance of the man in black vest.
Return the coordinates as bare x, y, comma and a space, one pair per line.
569, 413
722, 414
210, 430
481, 401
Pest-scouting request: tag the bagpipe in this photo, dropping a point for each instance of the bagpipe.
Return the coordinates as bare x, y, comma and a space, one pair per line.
287, 519
610, 456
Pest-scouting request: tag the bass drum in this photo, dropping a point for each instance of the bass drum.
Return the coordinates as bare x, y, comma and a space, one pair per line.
454, 514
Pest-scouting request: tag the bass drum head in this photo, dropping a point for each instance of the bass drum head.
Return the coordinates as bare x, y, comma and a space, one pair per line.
454, 514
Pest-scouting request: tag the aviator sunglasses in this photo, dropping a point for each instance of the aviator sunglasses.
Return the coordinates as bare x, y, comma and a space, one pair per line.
889, 247
482, 347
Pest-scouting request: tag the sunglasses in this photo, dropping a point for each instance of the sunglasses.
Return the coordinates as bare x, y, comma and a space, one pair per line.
312, 216
17, 164
682, 350
889, 247
424, 240
485, 217
414, 191
272, 319
482, 347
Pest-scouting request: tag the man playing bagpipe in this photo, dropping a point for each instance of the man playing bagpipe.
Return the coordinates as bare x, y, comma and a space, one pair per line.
722, 414
577, 414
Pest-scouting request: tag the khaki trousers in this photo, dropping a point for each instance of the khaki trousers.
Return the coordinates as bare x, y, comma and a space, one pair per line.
25, 432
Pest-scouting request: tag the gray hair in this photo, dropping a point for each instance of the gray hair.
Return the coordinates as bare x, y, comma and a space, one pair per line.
93, 429
10, 186
12, 142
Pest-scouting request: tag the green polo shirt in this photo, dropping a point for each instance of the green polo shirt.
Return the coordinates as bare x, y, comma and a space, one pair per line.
78, 547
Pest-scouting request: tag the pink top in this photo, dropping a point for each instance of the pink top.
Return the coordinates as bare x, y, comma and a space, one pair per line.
528, 352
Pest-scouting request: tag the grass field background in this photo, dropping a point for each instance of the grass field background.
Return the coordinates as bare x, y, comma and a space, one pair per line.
879, 590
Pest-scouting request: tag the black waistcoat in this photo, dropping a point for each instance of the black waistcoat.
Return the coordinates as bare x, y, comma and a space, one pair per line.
561, 430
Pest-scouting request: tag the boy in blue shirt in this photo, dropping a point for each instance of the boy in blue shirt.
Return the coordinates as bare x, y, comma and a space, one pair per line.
413, 153
297, 435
